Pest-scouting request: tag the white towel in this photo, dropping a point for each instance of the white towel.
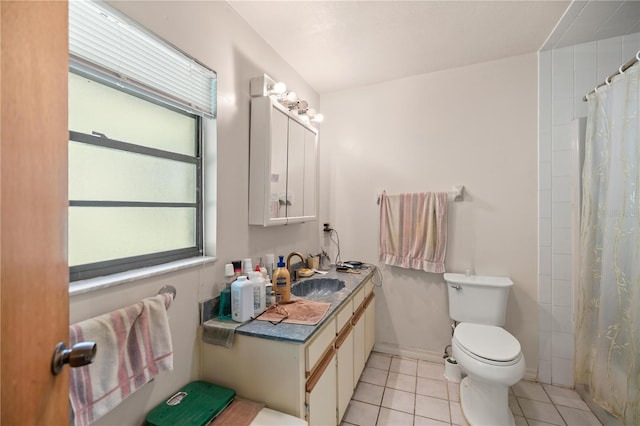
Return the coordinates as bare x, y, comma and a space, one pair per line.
413, 230
133, 346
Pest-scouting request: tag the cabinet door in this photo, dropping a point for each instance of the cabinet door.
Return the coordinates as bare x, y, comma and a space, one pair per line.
278, 176
295, 168
321, 396
358, 345
310, 173
370, 325
345, 371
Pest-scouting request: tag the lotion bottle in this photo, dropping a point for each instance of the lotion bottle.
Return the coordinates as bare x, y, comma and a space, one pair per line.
282, 282
241, 299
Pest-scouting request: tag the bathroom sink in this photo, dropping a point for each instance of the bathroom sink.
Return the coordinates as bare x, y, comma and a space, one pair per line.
317, 287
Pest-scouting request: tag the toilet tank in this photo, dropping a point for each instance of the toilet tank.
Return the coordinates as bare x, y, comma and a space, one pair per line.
478, 299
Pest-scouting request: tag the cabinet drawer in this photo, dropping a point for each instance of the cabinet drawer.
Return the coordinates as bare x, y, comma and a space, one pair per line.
344, 316
358, 298
368, 286
315, 349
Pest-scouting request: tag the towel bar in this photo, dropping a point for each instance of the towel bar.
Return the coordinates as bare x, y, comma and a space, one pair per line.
456, 194
168, 289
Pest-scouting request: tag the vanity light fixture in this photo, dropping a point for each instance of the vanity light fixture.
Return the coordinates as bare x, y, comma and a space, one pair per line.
266, 86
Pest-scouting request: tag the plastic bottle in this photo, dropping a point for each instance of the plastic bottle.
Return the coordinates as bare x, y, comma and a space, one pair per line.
224, 311
259, 295
282, 282
247, 267
268, 263
271, 298
241, 299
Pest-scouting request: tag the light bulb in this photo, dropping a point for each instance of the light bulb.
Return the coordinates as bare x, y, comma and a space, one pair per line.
292, 97
304, 117
279, 88
319, 118
311, 112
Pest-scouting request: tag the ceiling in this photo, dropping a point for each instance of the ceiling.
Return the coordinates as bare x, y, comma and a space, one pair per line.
336, 45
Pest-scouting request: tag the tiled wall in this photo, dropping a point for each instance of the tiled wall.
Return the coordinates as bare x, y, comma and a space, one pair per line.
566, 75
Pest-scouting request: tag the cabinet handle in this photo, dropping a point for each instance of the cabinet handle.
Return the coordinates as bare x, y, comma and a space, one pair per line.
369, 299
358, 314
342, 336
319, 370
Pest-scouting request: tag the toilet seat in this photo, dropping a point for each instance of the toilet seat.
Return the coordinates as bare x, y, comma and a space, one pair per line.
488, 344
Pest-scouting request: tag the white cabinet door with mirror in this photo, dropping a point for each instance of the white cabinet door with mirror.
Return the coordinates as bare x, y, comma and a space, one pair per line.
283, 166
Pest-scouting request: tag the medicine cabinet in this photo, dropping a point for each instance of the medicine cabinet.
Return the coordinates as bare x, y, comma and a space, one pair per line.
283, 166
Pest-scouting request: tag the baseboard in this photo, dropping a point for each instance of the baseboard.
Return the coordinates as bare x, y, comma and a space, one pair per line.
530, 374
409, 352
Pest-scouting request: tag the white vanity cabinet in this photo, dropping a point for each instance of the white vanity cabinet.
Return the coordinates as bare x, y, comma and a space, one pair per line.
312, 380
283, 166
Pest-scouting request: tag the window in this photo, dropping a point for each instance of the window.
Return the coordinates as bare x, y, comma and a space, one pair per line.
135, 145
134, 181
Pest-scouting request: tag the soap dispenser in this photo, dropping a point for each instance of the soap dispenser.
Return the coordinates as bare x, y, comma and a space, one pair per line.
282, 282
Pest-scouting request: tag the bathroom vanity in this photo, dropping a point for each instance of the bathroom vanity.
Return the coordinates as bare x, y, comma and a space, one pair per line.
307, 371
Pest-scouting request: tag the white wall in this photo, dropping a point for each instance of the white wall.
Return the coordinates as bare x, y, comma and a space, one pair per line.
474, 126
215, 35
566, 75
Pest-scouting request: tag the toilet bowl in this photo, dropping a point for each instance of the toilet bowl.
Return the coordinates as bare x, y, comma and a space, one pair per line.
492, 359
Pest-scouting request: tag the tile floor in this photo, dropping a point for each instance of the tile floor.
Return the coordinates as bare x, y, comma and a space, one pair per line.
401, 391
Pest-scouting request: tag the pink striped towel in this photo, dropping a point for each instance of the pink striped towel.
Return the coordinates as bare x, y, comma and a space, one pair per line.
413, 230
133, 346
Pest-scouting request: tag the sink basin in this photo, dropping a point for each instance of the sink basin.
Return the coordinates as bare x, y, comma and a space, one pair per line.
317, 287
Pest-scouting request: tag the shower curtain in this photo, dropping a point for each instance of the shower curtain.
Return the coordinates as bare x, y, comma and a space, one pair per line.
608, 311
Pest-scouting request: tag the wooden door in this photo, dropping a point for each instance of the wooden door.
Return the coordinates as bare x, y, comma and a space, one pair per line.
34, 306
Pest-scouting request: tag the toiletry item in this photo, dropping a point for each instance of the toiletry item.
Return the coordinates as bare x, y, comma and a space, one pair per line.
263, 269
282, 282
237, 268
229, 274
268, 263
247, 267
241, 299
259, 296
270, 295
224, 307
325, 261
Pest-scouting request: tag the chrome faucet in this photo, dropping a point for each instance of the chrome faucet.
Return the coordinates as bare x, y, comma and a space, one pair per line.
294, 274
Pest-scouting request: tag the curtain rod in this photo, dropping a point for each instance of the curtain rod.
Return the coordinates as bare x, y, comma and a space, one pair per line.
621, 70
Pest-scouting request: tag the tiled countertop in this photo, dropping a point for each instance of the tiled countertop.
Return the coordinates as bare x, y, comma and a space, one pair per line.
297, 333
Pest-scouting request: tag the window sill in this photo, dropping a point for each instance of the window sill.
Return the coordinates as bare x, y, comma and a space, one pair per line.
100, 283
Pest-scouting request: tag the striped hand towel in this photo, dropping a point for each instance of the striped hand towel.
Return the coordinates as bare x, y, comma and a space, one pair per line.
133, 346
413, 230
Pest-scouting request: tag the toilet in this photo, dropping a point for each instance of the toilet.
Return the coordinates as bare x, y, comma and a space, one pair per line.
489, 355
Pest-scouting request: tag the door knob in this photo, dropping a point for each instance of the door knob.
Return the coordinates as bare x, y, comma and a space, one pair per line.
80, 354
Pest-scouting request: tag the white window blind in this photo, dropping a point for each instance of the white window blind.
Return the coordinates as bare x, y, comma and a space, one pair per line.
105, 40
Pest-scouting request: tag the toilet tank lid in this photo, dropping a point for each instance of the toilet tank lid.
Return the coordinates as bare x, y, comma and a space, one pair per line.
487, 341
482, 280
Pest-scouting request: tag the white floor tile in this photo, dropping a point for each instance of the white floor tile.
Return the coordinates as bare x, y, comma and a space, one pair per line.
375, 376
432, 387
388, 417
424, 421
577, 417
542, 411
530, 390
514, 406
566, 397
520, 421
404, 366
454, 391
434, 408
403, 382
457, 418
379, 361
366, 392
361, 414
399, 400
431, 370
